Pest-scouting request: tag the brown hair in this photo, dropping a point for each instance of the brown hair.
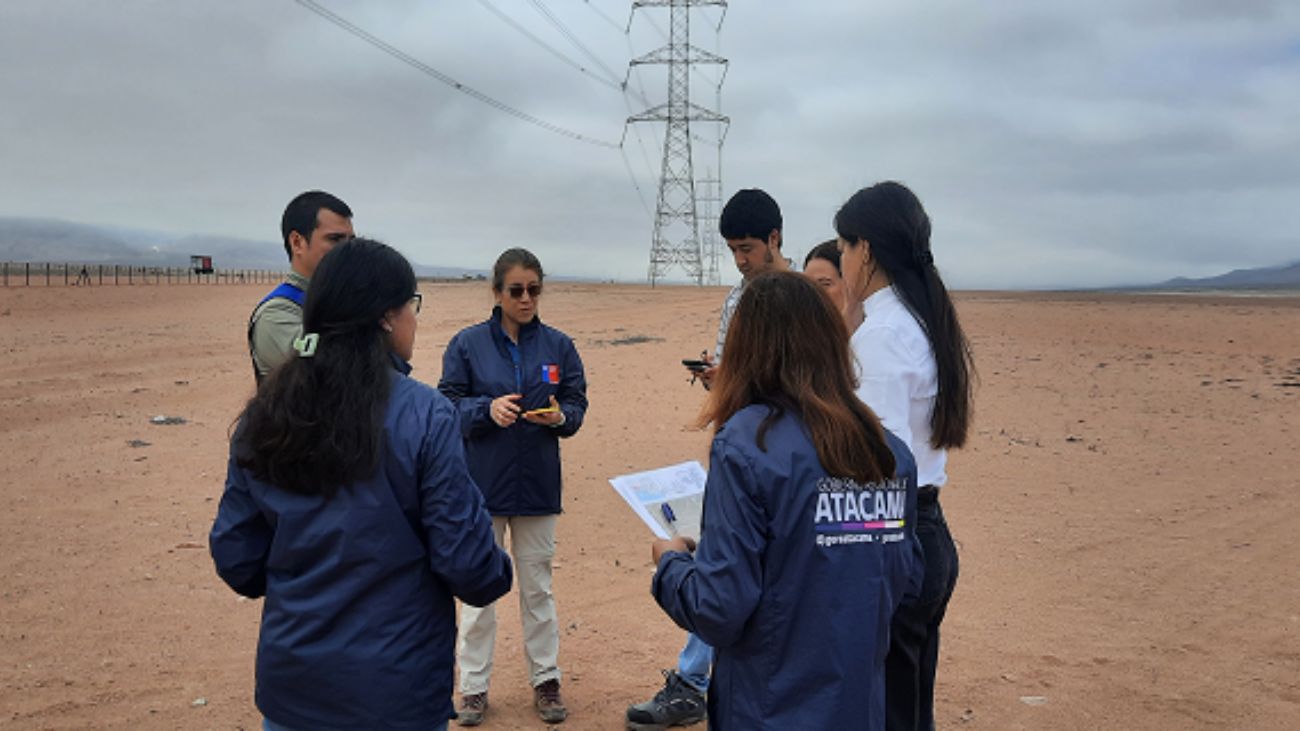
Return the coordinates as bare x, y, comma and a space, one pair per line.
788, 349
511, 258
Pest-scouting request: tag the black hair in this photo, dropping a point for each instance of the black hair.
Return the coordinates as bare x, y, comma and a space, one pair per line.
316, 423
511, 258
828, 250
751, 213
890, 219
302, 213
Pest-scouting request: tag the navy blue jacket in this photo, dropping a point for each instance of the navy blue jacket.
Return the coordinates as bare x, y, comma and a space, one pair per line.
359, 625
518, 467
794, 580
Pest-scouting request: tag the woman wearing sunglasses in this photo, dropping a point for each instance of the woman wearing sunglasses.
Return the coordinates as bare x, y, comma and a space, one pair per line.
519, 387
352, 511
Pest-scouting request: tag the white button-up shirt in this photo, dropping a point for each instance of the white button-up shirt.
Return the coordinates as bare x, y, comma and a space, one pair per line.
898, 378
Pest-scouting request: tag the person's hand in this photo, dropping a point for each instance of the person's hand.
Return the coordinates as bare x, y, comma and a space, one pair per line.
504, 410
677, 543
551, 418
706, 375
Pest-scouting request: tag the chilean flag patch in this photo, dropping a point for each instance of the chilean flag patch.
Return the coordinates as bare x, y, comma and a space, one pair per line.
551, 374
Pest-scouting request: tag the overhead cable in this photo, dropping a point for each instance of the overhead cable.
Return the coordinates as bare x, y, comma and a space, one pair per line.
552, 50
425, 68
573, 39
605, 17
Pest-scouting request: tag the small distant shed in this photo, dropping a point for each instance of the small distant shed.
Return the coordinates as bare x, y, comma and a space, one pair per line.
201, 263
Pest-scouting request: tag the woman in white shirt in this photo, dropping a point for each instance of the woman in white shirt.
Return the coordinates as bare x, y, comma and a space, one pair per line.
915, 373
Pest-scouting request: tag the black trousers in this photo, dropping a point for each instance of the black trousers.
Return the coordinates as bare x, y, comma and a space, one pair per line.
914, 632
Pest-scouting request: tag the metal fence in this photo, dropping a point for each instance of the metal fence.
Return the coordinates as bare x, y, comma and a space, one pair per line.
49, 274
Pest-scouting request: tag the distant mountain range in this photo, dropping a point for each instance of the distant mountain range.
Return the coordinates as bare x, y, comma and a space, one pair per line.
53, 240
1286, 276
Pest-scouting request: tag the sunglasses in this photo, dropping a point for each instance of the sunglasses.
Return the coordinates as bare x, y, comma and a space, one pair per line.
517, 291
417, 299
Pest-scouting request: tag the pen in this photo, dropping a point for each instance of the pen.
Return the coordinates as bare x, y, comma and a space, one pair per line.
668, 513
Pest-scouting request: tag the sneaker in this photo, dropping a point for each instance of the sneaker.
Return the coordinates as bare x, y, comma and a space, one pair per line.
550, 706
473, 708
676, 704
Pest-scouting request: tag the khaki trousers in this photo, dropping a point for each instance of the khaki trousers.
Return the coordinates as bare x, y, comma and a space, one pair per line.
532, 546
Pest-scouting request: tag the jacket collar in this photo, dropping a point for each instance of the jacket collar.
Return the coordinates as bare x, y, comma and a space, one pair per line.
297, 280
499, 330
399, 364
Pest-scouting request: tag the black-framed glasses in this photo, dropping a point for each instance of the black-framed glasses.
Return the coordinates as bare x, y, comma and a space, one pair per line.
417, 299
516, 291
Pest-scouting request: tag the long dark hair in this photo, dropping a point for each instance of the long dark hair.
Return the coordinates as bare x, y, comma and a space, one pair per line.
890, 219
788, 349
316, 423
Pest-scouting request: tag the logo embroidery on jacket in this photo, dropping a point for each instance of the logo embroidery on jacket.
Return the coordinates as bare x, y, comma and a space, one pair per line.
551, 374
850, 512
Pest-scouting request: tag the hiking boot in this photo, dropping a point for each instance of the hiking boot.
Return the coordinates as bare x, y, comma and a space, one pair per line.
473, 709
550, 706
676, 704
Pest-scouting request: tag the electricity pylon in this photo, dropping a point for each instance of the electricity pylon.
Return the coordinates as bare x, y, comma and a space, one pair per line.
709, 205
676, 238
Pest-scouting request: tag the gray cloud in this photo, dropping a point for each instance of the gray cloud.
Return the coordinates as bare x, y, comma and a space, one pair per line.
1054, 144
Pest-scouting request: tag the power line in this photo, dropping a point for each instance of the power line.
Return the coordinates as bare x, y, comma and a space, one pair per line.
554, 21
436, 74
630, 174
553, 51
605, 17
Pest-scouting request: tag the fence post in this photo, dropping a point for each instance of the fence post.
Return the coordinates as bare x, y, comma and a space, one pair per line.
47, 274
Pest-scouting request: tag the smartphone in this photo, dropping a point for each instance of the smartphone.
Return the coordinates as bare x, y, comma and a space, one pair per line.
543, 410
695, 365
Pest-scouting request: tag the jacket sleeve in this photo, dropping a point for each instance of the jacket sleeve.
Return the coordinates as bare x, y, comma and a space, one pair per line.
474, 410
572, 393
458, 529
241, 536
916, 556
275, 326
714, 592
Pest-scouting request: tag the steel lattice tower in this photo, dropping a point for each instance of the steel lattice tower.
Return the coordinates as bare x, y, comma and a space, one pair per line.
709, 207
676, 239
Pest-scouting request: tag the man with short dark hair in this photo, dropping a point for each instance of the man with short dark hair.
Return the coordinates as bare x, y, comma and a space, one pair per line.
751, 225
313, 223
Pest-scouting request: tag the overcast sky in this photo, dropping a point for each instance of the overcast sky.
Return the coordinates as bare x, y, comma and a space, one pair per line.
1053, 143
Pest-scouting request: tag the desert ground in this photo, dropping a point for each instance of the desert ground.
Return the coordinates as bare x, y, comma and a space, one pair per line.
1127, 511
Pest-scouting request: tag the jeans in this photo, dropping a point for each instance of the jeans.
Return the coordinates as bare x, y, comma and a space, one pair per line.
694, 663
914, 632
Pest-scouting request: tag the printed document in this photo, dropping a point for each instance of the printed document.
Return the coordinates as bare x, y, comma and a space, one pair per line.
669, 499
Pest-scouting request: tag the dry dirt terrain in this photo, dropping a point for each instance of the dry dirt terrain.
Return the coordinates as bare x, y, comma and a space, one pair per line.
1127, 510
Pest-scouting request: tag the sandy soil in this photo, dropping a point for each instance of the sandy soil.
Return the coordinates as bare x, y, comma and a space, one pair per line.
1127, 511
